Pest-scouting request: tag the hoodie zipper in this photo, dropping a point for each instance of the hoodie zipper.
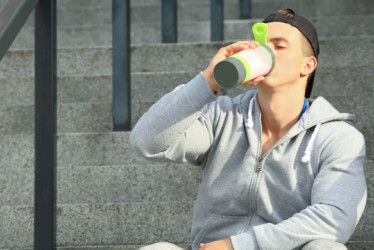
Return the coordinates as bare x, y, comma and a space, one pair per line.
255, 179
253, 189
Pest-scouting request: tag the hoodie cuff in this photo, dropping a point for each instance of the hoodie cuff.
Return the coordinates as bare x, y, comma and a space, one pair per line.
199, 92
245, 241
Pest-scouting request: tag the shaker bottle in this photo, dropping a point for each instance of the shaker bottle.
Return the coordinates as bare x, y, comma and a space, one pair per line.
247, 64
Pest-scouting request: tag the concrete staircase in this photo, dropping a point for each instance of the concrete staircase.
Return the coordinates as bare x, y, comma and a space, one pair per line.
108, 196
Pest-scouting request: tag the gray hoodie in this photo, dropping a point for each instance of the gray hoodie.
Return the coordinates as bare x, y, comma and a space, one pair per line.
309, 185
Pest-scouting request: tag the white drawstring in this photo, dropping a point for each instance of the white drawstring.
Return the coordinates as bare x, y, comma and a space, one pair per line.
308, 150
249, 122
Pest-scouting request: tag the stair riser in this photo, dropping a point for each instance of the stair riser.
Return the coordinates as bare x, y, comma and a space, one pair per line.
125, 223
149, 87
97, 117
172, 57
103, 224
234, 30
99, 12
118, 184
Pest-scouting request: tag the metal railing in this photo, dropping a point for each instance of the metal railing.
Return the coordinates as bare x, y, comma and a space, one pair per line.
12, 19
170, 19
121, 65
169, 24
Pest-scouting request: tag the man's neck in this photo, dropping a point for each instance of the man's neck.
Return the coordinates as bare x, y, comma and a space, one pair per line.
279, 112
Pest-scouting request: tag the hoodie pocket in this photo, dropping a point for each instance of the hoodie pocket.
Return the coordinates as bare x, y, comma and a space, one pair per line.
219, 228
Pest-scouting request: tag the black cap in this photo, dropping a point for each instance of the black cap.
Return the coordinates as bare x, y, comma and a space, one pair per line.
307, 29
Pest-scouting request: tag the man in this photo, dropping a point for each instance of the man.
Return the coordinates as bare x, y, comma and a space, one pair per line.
279, 171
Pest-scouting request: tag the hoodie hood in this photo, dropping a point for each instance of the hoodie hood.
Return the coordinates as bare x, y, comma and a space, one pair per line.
319, 111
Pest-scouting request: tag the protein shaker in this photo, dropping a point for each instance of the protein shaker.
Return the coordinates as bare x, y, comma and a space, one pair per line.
247, 64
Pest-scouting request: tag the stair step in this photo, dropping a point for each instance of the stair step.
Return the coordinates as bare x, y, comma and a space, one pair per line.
150, 86
85, 13
137, 179
103, 224
314, 8
234, 30
74, 149
181, 57
71, 117
365, 228
360, 245
97, 117
200, 10
106, 184
127, 183
123, 223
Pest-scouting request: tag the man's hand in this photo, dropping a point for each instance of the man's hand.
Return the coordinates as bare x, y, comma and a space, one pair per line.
222, 54
217, 245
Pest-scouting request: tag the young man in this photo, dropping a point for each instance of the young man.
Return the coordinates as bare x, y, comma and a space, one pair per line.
278, 170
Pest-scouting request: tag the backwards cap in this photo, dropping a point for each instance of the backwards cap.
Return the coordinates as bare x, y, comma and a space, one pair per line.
307, 29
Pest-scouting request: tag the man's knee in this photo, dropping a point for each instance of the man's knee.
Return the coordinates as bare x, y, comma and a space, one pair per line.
161, 246
324, 244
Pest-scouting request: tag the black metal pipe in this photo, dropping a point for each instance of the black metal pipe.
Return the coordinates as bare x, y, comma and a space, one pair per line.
45, 125
12, 18
121, 65
216, 20
169, 21
245, 7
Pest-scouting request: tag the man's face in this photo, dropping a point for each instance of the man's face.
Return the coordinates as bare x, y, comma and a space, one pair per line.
285, 41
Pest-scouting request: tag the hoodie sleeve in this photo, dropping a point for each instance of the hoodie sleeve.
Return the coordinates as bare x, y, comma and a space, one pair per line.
337, 201
173, 128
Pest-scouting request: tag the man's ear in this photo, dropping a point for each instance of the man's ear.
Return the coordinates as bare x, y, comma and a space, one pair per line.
309, 65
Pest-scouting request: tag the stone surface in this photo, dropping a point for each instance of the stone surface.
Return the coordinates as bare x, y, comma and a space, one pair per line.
196, 31
130, 183
102, 224
365, 228
150, 86
109, 197
125, 223
151, 58
135, 223
369, 173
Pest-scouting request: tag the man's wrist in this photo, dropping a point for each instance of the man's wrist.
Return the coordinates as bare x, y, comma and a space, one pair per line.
210, 79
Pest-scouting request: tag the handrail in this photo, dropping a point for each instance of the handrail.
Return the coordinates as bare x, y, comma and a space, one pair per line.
45, 125
121, 65
170, 13
245, 7
12, 18
216, 20
169, 22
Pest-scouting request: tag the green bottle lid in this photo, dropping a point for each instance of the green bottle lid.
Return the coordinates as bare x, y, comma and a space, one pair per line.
260, 31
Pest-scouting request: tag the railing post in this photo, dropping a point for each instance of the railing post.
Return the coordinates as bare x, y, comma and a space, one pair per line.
121, 65
245, 7
45, 125
216, 20
169, 21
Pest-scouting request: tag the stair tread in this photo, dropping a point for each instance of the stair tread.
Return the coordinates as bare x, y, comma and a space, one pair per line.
136, 223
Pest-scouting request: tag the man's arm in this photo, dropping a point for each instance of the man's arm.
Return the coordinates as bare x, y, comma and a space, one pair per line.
172, 128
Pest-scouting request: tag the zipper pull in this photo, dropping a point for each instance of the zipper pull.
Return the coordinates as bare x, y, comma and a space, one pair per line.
259, 166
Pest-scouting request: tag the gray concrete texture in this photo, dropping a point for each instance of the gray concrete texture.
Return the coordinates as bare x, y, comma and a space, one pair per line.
108, 196
172, 57
197, 31
102, 224
123, 223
